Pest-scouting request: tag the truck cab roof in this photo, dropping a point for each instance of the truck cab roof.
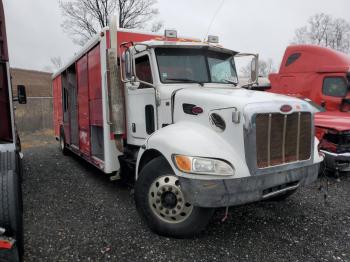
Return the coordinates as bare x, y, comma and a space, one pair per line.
186, 44
312, 58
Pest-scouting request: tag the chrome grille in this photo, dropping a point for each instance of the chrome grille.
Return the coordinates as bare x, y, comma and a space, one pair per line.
282, 139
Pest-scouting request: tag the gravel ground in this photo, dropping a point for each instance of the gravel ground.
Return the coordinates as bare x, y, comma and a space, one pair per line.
73, 213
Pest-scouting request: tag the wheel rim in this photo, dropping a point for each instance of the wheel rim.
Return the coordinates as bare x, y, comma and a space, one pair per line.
167, 201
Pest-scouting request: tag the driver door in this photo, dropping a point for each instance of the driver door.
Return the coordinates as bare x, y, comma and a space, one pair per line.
141, 104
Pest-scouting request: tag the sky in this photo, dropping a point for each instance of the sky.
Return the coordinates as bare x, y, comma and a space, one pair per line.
266, 27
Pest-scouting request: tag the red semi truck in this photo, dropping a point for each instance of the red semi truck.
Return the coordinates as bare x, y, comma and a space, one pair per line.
320, 75
11, 229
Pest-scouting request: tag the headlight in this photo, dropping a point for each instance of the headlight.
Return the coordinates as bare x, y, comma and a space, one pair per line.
205, 166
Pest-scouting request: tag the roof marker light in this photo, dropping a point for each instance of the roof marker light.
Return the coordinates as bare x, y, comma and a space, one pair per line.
213, 39
170, 33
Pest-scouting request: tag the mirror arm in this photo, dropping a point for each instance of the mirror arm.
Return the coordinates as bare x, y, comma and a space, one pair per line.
145, 83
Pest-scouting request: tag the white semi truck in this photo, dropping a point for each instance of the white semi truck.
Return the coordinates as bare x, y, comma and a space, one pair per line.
169, 113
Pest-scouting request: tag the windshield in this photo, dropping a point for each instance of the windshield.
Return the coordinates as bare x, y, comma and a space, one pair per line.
177, 65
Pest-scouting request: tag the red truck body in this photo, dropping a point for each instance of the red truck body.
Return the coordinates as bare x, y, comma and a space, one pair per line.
78, 93
313, 72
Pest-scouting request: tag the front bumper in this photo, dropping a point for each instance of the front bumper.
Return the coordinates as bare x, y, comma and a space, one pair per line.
339, 162
231, 192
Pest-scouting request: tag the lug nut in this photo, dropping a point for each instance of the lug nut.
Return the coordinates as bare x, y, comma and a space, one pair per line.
178, 207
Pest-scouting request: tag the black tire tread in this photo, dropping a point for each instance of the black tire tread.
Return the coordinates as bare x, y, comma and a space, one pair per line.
65, 150
11, 207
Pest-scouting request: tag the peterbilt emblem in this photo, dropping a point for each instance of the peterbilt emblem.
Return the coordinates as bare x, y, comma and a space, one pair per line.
286, 108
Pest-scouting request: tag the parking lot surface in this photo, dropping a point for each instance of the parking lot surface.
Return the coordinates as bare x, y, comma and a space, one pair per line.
72, 212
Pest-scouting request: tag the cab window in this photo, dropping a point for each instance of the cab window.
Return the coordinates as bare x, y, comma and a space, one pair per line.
143, 70
292, 58
334, 86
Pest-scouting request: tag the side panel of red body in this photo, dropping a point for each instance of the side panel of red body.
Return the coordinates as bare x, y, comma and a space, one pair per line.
83, 105
95, 86
57, 104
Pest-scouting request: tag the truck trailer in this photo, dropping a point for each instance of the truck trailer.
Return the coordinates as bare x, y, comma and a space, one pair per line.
11, 225
168, 112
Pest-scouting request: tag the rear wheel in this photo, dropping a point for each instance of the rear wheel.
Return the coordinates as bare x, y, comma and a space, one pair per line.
63, 147
11, 209
162, 204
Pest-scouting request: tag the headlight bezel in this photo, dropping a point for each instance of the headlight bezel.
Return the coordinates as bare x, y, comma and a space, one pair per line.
193, 159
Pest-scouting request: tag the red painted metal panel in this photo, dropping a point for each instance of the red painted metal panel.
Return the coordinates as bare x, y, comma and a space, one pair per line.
95, 86
141, 37
83, 105
5, 113
57, 104
3, 39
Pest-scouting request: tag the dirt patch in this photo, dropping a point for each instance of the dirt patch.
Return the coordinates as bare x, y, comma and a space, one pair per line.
37, 139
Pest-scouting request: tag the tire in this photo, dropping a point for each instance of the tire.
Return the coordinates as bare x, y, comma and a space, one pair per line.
63, 147
283, 196
11, 207
157, 209
11, 255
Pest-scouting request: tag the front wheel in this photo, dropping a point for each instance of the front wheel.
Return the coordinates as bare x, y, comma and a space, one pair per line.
162, 205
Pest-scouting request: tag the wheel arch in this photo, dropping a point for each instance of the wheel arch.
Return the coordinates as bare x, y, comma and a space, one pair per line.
146, 157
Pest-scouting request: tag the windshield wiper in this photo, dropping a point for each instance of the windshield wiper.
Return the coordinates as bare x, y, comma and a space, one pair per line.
231, 82
186, 80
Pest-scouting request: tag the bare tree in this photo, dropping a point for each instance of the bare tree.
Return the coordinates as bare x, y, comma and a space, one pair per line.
326, 31
56, 62
157, 26
265, 68
84, 18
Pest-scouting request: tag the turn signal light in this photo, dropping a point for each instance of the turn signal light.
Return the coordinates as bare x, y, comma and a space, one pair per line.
184, 163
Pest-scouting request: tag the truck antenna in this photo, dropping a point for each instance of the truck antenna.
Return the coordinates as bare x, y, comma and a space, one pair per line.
213, 19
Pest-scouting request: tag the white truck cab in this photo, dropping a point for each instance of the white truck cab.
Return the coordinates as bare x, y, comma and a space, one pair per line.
205, 142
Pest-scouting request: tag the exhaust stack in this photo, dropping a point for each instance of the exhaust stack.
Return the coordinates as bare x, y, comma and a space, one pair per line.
116, 94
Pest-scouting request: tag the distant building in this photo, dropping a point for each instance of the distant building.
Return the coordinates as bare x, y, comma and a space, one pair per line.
37, 113
38, 84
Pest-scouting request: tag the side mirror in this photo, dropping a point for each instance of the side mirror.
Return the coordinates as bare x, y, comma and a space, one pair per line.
254, 70
21, 94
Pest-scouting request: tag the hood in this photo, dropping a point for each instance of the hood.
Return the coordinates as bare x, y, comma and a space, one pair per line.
339, 121
216, 98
